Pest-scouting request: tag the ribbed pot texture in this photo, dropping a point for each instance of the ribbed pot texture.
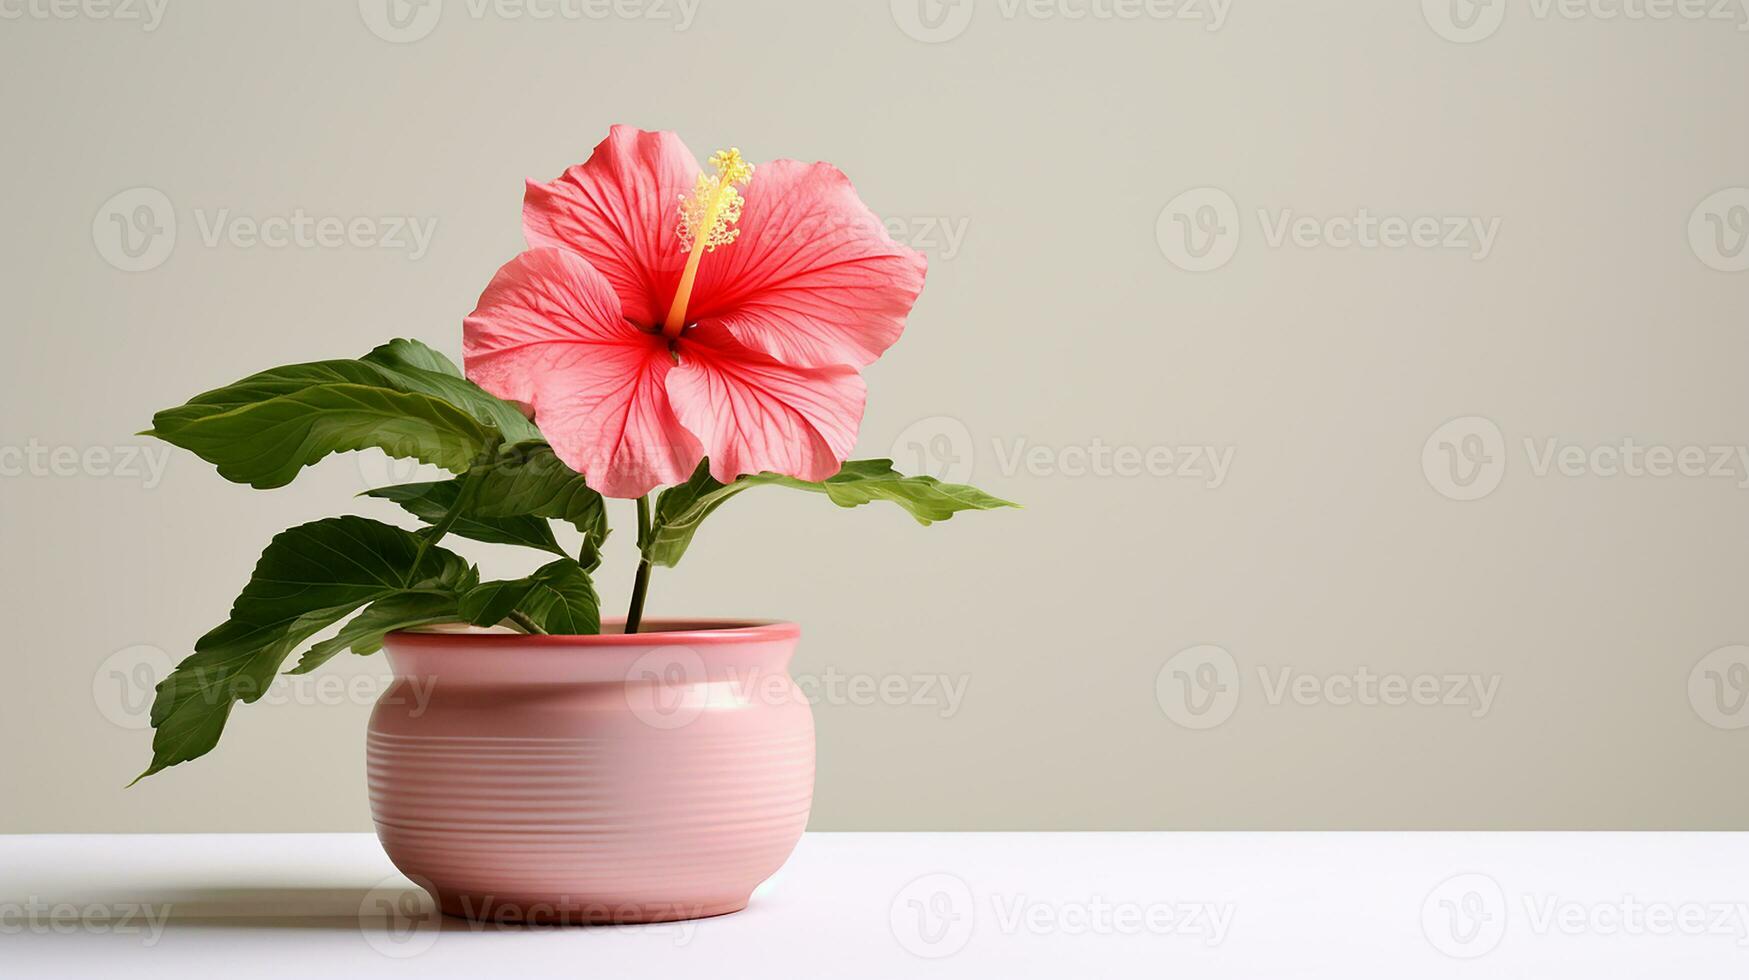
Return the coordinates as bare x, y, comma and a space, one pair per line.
592, 779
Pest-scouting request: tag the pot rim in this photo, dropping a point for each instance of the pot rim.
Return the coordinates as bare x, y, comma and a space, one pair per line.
691, 631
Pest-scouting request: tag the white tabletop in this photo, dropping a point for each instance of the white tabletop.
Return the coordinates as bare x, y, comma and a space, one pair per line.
901, 905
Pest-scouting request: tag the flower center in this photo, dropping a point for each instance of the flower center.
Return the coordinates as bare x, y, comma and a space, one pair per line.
705, 219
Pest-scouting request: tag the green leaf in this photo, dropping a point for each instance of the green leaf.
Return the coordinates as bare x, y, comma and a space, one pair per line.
559, 598
678, 513
531, 479
430, 501
307, 579
864, 481
263, 429
364, 633
412, 366
265, 443
274, 383
403, 354
680, 510
526, 486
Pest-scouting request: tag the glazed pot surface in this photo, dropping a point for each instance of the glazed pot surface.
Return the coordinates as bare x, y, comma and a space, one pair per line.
592, 779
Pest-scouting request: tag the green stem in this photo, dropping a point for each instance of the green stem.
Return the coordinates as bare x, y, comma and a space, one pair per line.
640, 589
640, 584
643, 522
435, 533
525, 624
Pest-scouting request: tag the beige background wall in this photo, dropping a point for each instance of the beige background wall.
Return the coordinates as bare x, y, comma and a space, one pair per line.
1024, 669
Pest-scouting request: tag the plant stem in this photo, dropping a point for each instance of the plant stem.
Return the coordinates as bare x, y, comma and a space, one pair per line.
525, 624
464, 498
640, 584
640, 588
643, 522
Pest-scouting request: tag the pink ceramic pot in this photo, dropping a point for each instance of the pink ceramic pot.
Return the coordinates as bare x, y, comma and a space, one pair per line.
605, 778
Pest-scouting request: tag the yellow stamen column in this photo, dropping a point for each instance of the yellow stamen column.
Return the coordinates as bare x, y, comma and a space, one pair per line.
705, 219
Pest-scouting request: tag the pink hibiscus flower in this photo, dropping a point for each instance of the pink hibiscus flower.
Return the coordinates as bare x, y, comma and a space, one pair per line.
662, 315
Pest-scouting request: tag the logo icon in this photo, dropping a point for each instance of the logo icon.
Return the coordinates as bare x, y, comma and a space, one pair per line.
127, 681
1199, 687
401, 21
135, 231
1199, 229
1465, 459
933, 916
1718, 230
939, 446
1465, 916
932, 21
1464, 21
398, 919
665, 687
1718, 688
379, 469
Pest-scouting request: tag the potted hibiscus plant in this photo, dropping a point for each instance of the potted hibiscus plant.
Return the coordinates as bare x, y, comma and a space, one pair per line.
673, 336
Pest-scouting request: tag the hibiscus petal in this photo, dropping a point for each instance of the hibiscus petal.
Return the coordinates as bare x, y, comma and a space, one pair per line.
621, 211
814, 278
755, 414
549, 333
